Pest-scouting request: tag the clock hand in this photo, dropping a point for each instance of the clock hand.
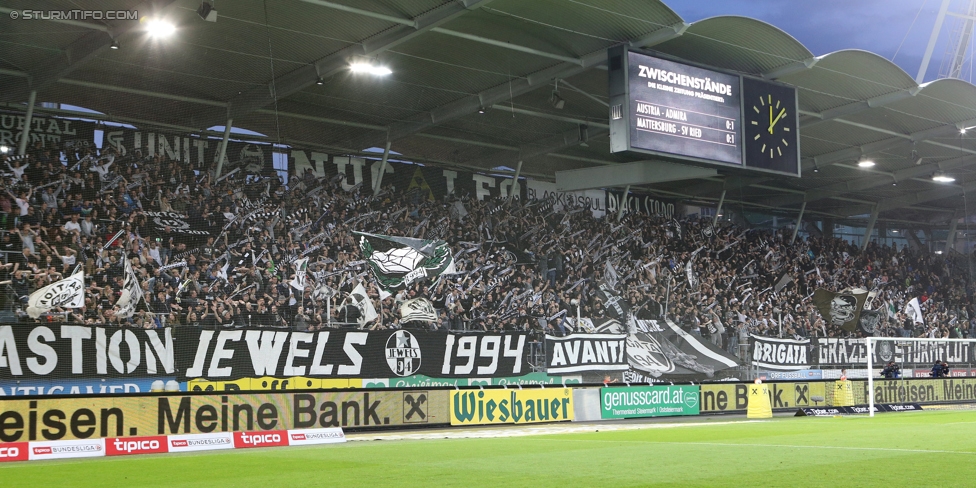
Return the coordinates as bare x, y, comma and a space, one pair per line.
770, 119
781, 114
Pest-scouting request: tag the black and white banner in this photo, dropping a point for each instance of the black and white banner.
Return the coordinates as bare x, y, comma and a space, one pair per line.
640, 203
233, 354
789, 354
177, 224
78, 351
71, 135
586, 352
199, 153
422, 182
781, 354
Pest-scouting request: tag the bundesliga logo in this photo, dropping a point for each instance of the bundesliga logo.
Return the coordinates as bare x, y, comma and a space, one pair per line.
403, 353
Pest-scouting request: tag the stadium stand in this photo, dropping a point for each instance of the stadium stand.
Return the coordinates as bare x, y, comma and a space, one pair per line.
520, 265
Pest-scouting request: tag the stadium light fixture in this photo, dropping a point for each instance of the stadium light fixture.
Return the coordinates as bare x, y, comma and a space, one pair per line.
115, 45
206, 12
367, 68
4, 149
865, 163
941, 177
320, 81
160, 28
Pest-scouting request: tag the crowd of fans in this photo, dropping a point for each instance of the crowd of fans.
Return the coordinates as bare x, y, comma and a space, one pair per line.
524, 265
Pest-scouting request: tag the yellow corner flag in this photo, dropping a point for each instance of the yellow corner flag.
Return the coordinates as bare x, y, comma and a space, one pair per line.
759, 407
843, 393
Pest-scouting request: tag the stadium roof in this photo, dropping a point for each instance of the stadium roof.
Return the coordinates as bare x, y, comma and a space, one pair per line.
452, 58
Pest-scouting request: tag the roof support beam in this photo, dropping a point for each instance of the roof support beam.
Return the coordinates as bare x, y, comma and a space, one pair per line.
507, 45
25, 134
312, 118
306, 76
953, 226
463, 35
732, 184
506, 91
636, 173
939, 20
924, 196
853, 153
791, 68
78, 52
544, 115
718, 209
570, 138
855, 107
869, 182
869, 228
799, 222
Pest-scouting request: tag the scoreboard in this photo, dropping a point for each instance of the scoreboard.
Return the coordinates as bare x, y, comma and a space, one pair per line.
703, 116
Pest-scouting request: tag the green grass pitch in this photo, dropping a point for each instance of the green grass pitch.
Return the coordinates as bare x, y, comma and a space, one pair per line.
935, 448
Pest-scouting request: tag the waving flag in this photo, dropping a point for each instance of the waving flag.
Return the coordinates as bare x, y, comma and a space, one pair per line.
418, 310
301, 270
67, 293
399, 261
131, 292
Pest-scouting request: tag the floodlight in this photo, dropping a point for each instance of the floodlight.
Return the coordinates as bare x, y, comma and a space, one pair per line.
160, 28
360, 67
556, 101
865, 163
207, 12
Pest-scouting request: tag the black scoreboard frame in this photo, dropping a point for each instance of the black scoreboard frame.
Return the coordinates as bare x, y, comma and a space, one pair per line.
622, 115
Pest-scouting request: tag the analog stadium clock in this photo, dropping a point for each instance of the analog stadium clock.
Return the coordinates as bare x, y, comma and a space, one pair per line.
771, 136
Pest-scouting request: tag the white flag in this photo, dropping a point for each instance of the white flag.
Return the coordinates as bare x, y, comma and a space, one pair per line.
913, 310
301, 268
361, 299
67, 293
131, 292
322, 292
610, 274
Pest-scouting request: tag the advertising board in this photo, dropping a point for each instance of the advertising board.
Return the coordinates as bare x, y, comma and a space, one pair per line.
649, 401
72, 418
480, 407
